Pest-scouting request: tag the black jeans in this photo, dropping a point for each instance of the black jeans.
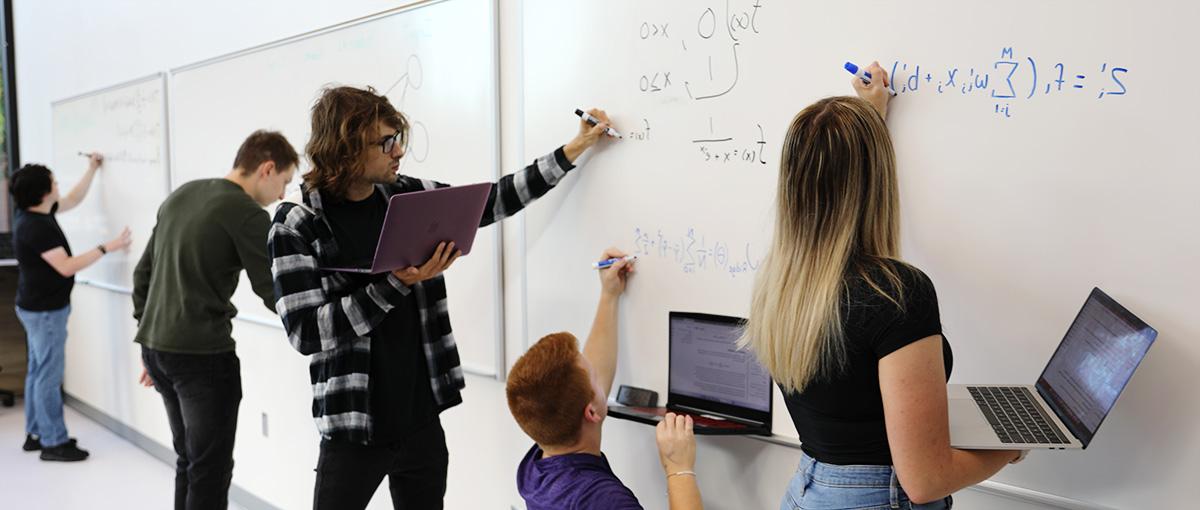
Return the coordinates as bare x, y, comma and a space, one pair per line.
349, 473
202, 393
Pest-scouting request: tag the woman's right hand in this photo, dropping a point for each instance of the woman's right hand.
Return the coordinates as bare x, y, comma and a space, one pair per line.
676, 443
120, 242
875, 92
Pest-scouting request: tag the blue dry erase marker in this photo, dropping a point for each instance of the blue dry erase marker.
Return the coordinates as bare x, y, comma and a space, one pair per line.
863, 75
593, 121
604, 264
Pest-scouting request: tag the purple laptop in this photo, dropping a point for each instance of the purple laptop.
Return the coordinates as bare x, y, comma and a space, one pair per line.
416, 222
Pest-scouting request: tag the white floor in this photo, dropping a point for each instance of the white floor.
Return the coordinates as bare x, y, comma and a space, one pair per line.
118, 475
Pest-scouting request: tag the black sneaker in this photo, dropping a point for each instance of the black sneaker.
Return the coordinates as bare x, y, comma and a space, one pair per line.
31, 444
66, 452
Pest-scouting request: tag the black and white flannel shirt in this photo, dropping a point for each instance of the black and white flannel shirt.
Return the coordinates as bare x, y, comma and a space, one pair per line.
332, 321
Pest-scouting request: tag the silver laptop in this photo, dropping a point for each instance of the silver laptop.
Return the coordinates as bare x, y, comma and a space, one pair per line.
1076, 390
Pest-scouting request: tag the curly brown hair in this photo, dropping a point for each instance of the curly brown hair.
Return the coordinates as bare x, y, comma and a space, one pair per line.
547, 390
343, 129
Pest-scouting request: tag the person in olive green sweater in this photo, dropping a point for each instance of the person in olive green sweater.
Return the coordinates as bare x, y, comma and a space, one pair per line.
207, 232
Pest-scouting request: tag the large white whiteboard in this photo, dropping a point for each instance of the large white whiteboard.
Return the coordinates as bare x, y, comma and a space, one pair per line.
1015, 206
435, 62
127, 123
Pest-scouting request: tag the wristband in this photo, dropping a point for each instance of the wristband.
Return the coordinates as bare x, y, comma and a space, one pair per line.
681, 473
102, 250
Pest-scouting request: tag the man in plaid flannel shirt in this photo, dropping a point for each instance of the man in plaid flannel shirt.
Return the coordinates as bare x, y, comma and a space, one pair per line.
383, 359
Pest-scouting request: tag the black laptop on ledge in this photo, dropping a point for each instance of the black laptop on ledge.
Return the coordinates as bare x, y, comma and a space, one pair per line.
722, 388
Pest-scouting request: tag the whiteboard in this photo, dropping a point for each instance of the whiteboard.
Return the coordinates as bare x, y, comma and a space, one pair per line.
127, 123
1020, 191
435, 62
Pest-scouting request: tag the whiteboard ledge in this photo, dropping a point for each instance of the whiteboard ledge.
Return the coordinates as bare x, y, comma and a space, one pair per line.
106, 286
476, 370
1032, 496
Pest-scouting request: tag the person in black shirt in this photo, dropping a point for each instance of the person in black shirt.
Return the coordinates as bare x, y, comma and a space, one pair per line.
384, 363
852, 334
47, 275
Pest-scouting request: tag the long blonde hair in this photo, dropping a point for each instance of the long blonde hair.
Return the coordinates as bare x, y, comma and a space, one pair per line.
837, 215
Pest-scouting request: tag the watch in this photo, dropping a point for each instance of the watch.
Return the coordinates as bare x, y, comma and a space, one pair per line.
102, 250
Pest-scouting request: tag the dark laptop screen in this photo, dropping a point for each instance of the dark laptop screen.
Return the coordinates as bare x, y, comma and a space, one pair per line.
1093, 363
707, 365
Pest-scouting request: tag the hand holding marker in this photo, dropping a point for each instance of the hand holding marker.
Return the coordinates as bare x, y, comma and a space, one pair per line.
605, 264
864, 76
593, 121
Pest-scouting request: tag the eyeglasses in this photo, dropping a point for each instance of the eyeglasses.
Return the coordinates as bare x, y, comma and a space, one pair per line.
389, 143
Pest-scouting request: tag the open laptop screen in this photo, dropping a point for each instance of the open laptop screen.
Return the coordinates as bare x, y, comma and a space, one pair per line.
1093, 363
705, 363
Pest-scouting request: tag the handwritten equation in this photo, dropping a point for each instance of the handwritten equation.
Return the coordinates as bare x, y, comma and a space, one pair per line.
695, 253
704, 67
1010, 78
138, 101
417, 144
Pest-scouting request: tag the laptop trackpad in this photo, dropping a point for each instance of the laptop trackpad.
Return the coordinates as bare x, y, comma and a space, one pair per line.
968, 427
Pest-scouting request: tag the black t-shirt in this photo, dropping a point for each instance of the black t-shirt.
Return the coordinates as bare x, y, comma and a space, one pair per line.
39, 286
400, 391
840, 417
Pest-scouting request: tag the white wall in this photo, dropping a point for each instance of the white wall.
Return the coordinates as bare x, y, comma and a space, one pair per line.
64, 48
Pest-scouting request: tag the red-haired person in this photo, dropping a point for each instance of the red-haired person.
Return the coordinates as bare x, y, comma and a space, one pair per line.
559, 398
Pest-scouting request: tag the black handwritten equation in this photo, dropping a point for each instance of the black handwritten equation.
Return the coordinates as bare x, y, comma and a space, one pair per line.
694, 253
417, 143
1009, 79
703, 68
139, 101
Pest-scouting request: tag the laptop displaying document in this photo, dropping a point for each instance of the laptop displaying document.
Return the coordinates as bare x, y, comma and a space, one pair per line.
722, 388
1075, 392
416, 222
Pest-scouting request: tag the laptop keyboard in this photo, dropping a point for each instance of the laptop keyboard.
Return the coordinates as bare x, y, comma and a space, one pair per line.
1015, 415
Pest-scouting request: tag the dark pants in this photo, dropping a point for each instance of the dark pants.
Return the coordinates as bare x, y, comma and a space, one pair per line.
349, 473
202, 393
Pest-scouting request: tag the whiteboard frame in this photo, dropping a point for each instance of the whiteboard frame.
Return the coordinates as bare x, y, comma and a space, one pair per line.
497, 369
166, 122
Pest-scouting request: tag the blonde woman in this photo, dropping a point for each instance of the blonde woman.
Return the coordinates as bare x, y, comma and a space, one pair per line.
851, 333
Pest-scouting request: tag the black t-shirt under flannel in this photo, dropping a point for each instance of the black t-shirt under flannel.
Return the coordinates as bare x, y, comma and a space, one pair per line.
400, 392
40, 287
840, 417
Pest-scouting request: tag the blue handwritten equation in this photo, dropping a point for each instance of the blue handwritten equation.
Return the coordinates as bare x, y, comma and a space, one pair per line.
694, 253
1010, 78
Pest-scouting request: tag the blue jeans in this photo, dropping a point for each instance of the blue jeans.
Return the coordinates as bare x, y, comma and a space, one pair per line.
47, 336
820, 486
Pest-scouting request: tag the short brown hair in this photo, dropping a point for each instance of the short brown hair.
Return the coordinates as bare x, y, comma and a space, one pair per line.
343, 127
548, 389
262, 146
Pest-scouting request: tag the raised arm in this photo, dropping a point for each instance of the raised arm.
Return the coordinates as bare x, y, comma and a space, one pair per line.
601, 347
875, 92
515, 191
68, 265
75, 196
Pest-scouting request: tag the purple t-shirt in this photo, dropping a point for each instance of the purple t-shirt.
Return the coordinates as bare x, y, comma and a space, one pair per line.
577, 481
